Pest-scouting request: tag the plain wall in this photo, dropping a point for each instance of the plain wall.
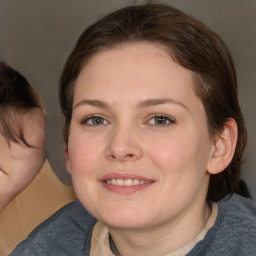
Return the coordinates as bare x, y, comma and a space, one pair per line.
36, 36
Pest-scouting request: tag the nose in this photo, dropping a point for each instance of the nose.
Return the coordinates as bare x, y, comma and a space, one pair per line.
124, 145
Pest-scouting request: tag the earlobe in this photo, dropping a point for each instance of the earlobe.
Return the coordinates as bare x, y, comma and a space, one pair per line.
67, 158
223, 148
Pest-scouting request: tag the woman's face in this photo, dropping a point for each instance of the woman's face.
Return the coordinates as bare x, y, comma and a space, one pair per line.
138, 146
19, 164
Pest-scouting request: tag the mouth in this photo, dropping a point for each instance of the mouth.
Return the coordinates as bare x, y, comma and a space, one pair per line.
125, 184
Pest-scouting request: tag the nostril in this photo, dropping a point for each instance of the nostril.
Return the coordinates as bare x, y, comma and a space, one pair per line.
121, 157
112, 156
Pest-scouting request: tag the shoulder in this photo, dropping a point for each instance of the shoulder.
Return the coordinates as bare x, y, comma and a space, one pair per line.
68, 232
234, 231
239, 209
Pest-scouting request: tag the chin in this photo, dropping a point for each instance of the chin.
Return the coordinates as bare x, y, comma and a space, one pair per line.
124, 220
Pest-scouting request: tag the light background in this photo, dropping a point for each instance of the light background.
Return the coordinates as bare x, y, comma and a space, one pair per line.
36, 37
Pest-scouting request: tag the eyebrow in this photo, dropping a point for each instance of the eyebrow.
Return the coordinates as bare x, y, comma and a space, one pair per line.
94, 103
154, 102
141, 104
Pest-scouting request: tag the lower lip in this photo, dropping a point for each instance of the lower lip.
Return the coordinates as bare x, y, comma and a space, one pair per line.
126, 189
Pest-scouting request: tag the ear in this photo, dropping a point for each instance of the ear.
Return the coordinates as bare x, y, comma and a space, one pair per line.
223, 148
67, 158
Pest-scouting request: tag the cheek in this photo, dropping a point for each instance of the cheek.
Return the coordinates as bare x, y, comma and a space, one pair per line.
83, 154
26, 162
19, 176
179, 154
168, 153
29, 166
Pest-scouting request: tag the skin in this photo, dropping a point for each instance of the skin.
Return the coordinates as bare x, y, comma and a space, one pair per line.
136, 116
20, 164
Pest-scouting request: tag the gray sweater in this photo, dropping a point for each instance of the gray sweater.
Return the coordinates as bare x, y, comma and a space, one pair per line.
68, 232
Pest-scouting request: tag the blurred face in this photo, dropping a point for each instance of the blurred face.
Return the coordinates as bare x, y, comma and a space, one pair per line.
19, 164
138, 146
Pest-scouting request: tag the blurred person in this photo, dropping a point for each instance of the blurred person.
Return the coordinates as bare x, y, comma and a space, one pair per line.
22, 158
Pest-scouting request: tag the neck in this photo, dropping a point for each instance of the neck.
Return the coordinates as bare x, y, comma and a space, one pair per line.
161, 239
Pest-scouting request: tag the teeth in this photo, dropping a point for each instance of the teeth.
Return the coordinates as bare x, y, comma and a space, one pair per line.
127, 182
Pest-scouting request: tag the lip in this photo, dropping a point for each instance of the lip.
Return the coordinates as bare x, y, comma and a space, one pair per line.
116, 175
122, 189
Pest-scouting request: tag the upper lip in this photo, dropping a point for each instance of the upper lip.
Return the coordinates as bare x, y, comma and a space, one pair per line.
124, 176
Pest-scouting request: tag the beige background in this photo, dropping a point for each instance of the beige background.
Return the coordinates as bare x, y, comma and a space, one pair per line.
36, 36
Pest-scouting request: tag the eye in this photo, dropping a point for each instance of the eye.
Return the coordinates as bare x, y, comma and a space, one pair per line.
161, 120
94, 120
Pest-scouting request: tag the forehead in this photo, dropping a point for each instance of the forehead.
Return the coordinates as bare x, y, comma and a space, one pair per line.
19, 124
127, 66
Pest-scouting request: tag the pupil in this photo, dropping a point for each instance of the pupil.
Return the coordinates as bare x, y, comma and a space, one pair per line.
160, 120
97, 120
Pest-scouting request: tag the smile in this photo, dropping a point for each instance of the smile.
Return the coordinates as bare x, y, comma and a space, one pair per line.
126, 182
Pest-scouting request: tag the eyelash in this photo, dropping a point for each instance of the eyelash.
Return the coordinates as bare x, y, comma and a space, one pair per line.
163, 117
102, 121
93, 117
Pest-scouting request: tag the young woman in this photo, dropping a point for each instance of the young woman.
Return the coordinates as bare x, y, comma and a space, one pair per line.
154, 142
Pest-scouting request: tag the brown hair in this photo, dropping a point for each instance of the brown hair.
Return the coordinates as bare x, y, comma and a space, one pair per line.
193, 46
16, 96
